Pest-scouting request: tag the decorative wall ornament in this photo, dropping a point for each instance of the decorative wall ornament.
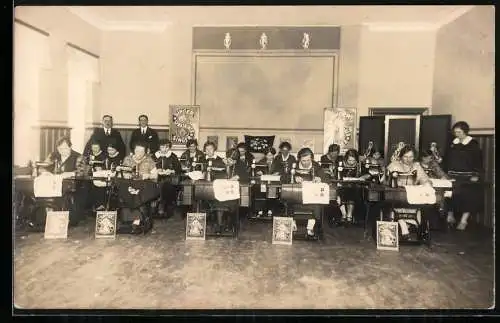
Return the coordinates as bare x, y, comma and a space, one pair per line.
263, 41
184, 123
258, 144
306, 40
227, 41
215, 140
340, 128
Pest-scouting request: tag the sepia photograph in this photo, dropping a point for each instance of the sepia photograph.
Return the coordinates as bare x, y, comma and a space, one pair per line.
163, 155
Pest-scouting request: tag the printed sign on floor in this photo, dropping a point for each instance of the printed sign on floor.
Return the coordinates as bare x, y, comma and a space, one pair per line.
196, 224
282, 230
56, 225
105, 225
387, 235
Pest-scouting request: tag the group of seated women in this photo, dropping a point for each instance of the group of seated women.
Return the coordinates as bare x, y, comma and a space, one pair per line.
463, 164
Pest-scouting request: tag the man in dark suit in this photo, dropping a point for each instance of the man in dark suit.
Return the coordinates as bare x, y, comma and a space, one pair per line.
145, 134
106, 135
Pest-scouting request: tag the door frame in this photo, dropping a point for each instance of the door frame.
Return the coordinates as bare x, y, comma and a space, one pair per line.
389, 117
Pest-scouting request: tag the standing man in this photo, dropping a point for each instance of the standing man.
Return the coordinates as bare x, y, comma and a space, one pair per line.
145, 134
106, 135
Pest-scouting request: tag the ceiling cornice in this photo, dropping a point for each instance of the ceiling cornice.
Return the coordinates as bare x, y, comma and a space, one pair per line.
104, 25
401, 27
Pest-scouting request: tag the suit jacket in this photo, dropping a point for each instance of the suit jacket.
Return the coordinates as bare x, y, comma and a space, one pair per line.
100, 136
150, 137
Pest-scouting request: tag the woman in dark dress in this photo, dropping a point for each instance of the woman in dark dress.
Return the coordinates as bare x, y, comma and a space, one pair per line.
309, 170
330, 161
113, 157
465, 165
265, 164
245, 156
64, 159
350, 197
283, 162
191, 154
216, 164
169, 168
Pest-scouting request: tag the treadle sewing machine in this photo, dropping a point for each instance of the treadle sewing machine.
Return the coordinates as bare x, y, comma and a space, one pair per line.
394, 204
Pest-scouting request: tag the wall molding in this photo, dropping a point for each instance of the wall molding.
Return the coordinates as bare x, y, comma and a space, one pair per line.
25, 24
268, 53
482, 131
126, 126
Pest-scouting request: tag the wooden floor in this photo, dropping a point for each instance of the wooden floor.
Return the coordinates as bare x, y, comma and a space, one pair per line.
161, 270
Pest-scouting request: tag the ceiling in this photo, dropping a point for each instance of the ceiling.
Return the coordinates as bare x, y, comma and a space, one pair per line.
158, 17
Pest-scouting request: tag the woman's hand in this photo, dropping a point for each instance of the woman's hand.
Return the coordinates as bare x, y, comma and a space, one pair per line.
260, 173
235, 178
317, 179
299, 179
474, 179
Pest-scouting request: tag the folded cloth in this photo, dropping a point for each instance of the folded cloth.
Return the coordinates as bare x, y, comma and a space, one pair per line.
195, 175
420, 194
226, 190
48, 185
315, 193
445, 183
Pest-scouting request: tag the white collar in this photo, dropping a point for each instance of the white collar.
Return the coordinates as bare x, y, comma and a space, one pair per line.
285, 159
144, 128
116, 154
466, 140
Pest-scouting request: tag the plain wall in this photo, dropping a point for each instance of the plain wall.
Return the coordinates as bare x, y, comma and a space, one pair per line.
63, 27
464, 74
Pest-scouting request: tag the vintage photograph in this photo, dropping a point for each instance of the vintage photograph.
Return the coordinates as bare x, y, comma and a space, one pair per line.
183, 144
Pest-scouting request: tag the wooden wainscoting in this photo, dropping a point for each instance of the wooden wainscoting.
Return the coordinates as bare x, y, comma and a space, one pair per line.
487, 144
49, 136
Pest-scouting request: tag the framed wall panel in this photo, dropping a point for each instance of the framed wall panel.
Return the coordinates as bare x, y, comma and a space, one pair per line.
400, 128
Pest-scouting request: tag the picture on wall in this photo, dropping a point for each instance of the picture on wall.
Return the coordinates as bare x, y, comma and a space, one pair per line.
286, 139
339, 128
231, 142
184, 123
215, 140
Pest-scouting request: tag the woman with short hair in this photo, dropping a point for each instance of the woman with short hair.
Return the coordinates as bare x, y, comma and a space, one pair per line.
465, 165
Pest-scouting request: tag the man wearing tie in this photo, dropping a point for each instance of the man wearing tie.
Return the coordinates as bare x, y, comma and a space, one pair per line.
106, 135
145, 134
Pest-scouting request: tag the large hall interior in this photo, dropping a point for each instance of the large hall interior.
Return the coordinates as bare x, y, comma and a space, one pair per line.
282, 102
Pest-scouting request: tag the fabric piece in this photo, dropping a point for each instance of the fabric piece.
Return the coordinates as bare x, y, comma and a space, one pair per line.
315, 193
226, 190
48, 185
420, 194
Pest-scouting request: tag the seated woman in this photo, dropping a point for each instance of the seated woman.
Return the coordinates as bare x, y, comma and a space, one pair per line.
245, 156
192, 153
64, 159
350, 197
465, 165
168, 166
236, 170
406, 164
97, 158
113, 158
284, 162
431, 166
330, 161
309, 170
265, 164
143, 167
96, 161
218, 168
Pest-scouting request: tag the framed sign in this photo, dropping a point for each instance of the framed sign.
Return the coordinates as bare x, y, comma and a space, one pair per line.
214, 140
339, 126
105, 225
184, 123
231, 142
56, 225
387, 235
282, 230
196, 224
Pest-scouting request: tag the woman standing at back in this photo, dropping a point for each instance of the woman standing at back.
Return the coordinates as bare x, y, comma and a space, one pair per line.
465, 166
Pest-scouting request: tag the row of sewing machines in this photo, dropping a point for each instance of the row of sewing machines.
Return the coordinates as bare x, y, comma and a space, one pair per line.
192, 191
